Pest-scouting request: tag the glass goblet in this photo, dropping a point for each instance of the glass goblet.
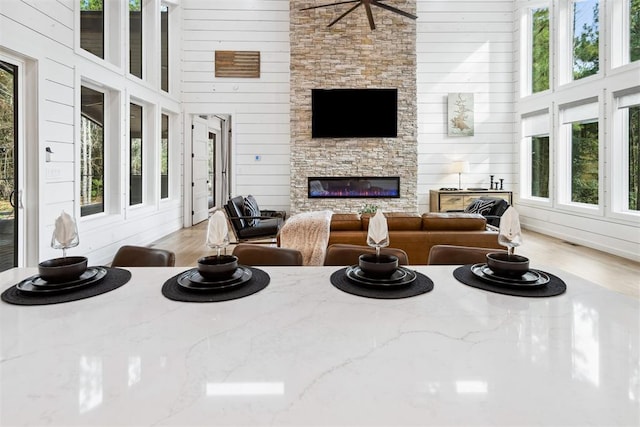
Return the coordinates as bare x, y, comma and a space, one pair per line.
219, 245
377, 244
510, 244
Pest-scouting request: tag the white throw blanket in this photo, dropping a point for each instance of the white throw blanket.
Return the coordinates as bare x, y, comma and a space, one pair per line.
307, 232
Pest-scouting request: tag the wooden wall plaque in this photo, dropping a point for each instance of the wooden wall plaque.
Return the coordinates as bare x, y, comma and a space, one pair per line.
236, 63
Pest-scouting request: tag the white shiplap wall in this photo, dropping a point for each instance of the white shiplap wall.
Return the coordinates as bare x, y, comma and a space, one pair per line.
259, 106
41, 33
465, 46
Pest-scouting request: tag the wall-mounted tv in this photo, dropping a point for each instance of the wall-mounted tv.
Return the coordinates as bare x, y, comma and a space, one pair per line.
354, 113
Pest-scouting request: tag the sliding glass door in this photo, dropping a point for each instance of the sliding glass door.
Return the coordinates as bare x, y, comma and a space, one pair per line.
8, 166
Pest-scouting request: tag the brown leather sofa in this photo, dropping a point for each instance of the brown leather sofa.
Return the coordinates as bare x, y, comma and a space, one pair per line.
416, 234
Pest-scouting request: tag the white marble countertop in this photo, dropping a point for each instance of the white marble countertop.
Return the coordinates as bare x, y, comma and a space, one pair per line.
302, 352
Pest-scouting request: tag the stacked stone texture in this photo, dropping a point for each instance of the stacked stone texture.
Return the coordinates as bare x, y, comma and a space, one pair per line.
351, 55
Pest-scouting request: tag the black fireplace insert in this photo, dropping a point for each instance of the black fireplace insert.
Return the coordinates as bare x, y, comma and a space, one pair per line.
352, 187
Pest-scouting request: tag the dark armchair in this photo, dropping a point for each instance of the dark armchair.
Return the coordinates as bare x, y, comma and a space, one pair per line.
249, 223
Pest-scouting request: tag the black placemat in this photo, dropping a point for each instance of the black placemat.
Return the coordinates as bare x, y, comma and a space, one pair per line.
115, 278
555, 286
421, 285
172, 290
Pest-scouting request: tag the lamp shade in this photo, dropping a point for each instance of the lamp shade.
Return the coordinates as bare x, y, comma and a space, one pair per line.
460, 167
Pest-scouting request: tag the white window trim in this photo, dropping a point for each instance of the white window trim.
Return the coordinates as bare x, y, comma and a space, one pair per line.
526, 48
565, 50
150, 44
535, 124
158, 65
112, 168
577, 112
159, 157
620, 156
150, 157
113, 33
619, 32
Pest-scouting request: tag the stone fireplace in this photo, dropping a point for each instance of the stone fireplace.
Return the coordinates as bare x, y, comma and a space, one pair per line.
351, 55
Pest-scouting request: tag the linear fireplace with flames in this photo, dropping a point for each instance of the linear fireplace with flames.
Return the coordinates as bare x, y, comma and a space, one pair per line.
354, 187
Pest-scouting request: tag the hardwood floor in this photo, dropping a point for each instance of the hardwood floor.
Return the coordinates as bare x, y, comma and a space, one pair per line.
609, 271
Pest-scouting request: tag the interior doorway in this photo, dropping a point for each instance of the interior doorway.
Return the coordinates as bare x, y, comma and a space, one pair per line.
210, 164
9, 190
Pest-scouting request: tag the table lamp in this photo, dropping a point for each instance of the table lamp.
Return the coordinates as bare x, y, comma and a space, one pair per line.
459, 167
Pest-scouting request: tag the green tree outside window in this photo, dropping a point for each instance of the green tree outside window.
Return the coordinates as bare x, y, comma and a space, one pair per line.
584, 162
539, 50
586, 38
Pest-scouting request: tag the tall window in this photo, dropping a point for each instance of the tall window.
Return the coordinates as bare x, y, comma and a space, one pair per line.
584, 162
91, 152
135, 37
634, 30
586, 35
164, 48
92, 26
135, 155
9, 98
634, 158
535, 161
539, 49
164, 158
540, 166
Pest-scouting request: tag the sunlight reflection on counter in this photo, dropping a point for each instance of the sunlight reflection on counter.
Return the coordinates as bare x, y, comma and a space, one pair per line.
90, 383
472, 387
586, 344
245, 389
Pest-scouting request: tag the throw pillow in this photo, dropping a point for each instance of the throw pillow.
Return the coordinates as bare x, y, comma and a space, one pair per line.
481, 206
251, 209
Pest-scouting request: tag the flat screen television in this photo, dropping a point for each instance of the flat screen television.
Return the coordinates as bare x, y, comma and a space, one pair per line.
354, 113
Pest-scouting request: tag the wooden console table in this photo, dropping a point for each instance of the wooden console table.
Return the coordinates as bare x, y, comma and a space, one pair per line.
446, 200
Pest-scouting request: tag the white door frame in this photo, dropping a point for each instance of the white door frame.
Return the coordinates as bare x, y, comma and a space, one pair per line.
28, 179
220, 125
200, 157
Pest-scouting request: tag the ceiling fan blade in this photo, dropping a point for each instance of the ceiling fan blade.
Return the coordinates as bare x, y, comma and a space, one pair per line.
330, 4
369, 15
393, 9
344, 14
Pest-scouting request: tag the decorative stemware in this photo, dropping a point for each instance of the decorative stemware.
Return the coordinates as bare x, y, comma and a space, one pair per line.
378, 234
377, 245
63, 237
217, 233
510, 244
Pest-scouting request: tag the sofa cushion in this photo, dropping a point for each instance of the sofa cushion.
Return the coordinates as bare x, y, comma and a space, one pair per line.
397, 221
481, 206
345, 221
453, 221
251, 209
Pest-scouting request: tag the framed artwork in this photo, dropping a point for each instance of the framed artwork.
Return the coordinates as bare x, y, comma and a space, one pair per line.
460, 117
